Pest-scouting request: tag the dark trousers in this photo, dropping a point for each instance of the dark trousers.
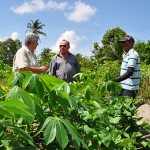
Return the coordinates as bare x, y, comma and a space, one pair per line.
129, 93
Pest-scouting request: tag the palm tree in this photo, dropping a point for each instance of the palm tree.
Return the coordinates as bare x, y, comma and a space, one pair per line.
36, 27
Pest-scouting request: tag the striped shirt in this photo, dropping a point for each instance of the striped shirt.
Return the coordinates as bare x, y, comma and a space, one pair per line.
131, 59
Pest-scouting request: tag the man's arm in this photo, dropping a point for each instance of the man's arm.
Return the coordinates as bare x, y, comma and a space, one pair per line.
125, 75
42, 69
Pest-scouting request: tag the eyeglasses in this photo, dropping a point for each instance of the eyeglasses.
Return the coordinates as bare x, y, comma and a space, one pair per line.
63, 46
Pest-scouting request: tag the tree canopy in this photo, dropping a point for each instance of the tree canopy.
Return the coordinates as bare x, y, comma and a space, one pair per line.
110, 48
8, 49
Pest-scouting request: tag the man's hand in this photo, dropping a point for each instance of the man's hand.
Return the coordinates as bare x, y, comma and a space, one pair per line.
44, 68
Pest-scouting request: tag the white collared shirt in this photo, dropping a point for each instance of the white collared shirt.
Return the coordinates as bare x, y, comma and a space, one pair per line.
24, 58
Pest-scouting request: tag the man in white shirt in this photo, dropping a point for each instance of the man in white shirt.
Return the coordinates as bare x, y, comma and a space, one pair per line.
130, 68
25, 59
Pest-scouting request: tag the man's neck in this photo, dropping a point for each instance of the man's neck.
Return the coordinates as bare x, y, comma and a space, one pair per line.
30, 49
65, 56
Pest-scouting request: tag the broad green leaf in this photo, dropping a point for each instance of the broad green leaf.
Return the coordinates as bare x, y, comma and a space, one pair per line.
97, 105
50, 132
107, 141
72, 131
62, 94
64, 87
23, 134
136, 134
126, 134
47, 121
38, 107
19, 111
19, 94
13, 103
6, 144
125, 142
52, 99
16, 79
5, 112
73, 102
34, 85
88, 130
14, 93
62, 99
127, 113
114, 120
50, 81
29, 101
61, 135
14, 111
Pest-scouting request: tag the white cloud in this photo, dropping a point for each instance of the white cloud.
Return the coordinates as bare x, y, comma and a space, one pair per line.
82, 12
38, 5
3, 38
14, 35
74, 40
55, 5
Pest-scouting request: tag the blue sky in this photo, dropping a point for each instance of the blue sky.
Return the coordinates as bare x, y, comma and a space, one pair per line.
82, 22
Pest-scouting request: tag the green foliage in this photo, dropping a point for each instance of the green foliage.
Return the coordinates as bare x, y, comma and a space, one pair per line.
5, 70
110, 48
8, 49
144, 91
44, 112
46, 56
143, 49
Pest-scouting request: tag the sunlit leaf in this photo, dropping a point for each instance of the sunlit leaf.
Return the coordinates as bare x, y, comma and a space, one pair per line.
34, 85
50, 132
13, 103
61, 135
114, 120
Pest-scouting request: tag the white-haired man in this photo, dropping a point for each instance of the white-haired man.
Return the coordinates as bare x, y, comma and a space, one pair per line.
25, 59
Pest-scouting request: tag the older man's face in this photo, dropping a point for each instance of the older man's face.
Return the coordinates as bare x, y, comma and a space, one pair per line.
64, 47
34, 44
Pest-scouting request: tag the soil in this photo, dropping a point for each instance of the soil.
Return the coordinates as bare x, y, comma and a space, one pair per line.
144, 111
